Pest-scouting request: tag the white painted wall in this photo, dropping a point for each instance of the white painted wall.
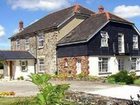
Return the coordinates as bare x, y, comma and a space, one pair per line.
18, 72
112, 65
94, 67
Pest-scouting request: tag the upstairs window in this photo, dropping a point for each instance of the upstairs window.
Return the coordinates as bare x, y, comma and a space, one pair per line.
24, 66
104, 39
41, 40
27, 43
103, 65
41, 63
135, 42
121, 48
17, 44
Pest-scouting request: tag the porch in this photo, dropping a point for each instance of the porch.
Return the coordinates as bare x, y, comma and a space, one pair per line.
17, 64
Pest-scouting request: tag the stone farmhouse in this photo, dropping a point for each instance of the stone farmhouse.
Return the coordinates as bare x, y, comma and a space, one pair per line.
72, 41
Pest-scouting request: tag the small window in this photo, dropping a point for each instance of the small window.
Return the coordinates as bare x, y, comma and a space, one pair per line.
41, 65
24, 66
27, 43
17, 44
41, 40
133, 63
104, 39
135, 42
103, 65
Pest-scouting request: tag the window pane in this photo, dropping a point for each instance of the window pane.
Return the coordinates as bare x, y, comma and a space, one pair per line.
103, 64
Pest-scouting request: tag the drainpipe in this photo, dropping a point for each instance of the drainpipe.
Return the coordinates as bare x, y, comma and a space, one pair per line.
36, 54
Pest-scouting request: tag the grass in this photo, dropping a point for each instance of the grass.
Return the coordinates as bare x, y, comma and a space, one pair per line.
23, 101
137, 82
17, 101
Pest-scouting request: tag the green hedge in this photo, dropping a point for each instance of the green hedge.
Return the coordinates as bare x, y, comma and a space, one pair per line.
122, 78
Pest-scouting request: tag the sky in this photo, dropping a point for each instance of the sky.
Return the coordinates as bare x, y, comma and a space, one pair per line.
29, 11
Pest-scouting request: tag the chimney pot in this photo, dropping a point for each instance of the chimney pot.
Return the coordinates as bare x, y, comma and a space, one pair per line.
20, 25
100, 9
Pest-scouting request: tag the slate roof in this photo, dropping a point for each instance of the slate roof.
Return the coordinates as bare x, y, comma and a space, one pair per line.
88, 28
53, 20
15, 55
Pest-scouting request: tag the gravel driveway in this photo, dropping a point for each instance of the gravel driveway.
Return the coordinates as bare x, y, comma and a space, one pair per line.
26, 88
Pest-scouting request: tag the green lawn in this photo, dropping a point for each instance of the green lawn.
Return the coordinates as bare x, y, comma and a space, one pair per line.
22, 101
17, 101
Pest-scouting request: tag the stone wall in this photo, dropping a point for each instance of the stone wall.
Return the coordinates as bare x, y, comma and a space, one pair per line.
67, 65
48, 52
82, 98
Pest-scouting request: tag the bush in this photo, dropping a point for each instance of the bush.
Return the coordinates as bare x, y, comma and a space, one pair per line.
49, 94
111, 79
81, 76
137, 82
122, 78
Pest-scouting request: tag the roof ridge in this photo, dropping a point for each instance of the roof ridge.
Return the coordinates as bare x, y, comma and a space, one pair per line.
119, 17
107, 15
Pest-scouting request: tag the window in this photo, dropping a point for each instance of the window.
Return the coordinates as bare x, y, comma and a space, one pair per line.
24, 65
41, 65
103, 65
121, 64
27, 43
121, 43
133, 63
17, 44
135, 42
104, 39
41, 40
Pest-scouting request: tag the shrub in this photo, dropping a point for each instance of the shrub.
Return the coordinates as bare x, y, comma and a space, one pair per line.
133, 74
111, 79
20, 78
122, 78
137, 82
81, 76
49, 94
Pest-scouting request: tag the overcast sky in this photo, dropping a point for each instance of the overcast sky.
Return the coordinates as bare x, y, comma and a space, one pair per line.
12, 11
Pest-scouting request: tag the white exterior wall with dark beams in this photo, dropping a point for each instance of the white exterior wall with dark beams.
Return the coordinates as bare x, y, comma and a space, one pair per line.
107, 65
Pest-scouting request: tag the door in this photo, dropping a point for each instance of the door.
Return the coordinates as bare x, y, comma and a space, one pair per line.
11, 70
78, 66
120, 64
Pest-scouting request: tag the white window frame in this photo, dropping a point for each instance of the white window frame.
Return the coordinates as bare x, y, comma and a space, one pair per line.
41, 65
135, 42
104, 39
27, 43
18, 44
41, 40
24, 66
121, 44
103, 65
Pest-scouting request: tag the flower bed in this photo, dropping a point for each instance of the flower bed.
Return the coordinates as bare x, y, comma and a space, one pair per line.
7, 93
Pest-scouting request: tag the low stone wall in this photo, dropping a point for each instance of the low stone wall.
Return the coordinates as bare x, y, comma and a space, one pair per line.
91, 99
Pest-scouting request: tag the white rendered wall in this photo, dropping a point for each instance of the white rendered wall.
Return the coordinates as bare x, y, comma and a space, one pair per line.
112, 65
94, 67
18, 72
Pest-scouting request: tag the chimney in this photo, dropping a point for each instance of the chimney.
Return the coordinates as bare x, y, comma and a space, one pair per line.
20, 25
76, 8
100, 9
